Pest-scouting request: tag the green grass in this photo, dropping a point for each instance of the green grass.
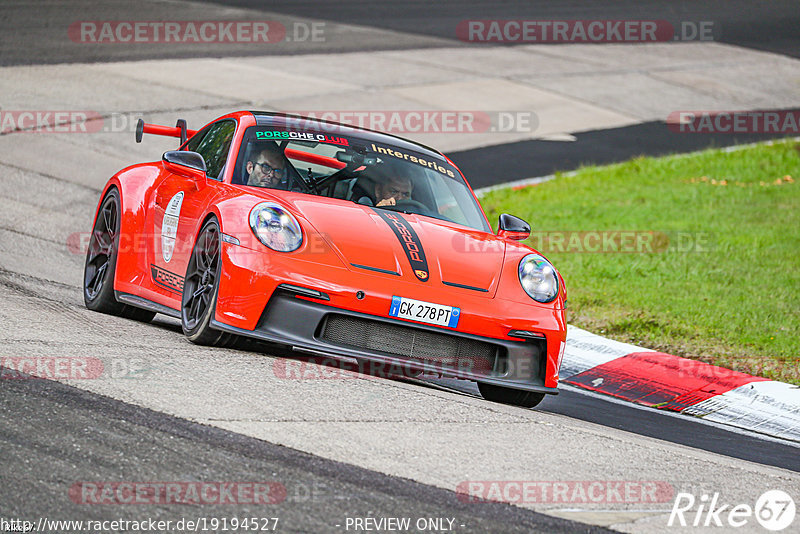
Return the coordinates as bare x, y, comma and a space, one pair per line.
722, 284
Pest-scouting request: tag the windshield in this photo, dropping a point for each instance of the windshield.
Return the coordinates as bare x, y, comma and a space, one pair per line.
356, 170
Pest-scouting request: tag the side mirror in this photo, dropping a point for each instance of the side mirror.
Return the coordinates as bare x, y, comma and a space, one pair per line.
185, 163
513, 228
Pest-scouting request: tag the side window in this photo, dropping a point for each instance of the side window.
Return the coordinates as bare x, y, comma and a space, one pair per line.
214, 146
191, 144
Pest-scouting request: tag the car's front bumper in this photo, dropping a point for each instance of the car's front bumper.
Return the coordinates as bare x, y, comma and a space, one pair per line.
310, 326
250, 304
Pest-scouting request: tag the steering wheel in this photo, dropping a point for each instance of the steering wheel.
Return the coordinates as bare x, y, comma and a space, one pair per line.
407, 202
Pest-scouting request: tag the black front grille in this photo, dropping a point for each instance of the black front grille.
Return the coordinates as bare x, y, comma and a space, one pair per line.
405, 341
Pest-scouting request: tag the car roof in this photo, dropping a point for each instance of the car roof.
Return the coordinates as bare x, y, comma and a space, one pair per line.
268, 118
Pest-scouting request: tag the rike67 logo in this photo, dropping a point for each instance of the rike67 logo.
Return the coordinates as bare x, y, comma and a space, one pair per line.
774, 510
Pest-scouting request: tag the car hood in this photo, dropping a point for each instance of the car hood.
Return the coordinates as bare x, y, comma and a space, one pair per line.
388, 243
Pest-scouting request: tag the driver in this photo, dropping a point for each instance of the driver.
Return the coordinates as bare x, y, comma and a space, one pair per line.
267, 168
389, 192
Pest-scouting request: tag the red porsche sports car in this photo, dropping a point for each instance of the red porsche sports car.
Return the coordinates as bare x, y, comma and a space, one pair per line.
330, 240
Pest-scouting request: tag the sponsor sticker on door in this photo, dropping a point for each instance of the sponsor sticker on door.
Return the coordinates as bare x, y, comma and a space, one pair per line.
169, 226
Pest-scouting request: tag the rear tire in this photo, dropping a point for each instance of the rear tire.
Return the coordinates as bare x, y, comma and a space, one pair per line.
101, 264
504, 395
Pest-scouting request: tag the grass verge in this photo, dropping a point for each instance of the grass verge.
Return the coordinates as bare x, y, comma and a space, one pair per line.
695, 255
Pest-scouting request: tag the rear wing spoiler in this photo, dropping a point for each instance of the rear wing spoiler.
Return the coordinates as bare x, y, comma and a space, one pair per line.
179, 130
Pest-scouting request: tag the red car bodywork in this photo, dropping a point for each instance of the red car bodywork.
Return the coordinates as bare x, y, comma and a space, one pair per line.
339, 236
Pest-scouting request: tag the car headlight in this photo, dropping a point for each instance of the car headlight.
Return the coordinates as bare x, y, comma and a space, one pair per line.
538, 278
276, 227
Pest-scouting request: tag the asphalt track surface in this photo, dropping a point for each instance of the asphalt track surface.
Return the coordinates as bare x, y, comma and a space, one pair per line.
771, 26
32, 33
577, 404
525, 159
104, 439
54, 434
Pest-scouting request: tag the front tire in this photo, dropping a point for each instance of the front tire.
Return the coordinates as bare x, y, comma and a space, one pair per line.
504, 395
200, 286
101, 264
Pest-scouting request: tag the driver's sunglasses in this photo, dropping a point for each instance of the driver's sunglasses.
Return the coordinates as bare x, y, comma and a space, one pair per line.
266, 169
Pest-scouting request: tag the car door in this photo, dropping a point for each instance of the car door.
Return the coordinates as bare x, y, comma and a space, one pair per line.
178, 206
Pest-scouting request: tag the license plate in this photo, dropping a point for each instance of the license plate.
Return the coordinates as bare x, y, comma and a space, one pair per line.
424, 312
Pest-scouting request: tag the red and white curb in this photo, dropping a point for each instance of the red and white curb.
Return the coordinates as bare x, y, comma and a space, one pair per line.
668, 382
